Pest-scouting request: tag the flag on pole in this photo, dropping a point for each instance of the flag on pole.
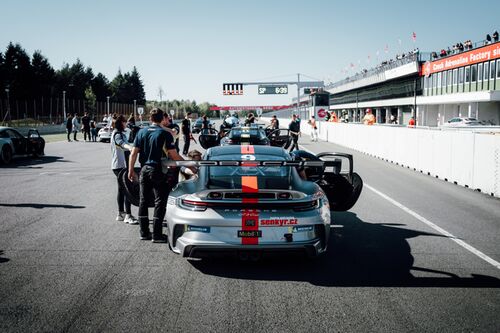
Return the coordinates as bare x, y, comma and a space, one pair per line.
414, 37
386, 49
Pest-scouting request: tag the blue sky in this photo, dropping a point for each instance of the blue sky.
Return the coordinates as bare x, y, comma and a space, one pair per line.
190, 48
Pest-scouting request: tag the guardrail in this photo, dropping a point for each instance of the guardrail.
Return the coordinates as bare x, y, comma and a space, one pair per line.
465, 157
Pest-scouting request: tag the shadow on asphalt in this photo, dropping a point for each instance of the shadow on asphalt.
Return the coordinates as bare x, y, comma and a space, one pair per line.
32, 162
2, 260
40, 206
360, 254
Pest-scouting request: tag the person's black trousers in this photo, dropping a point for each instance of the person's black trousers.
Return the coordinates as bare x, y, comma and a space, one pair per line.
85, 133
121, 198
295, 144
187, 142
152, 184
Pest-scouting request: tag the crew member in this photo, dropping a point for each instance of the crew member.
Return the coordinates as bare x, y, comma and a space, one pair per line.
149, 145
186, 133
294, 128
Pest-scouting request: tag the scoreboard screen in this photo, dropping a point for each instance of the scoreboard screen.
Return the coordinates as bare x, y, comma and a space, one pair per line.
273, 89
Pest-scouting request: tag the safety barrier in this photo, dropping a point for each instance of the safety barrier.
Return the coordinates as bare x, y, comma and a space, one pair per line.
465, 157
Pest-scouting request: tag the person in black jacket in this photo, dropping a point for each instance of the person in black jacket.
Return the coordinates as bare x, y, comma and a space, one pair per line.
69, 126
86, 126
186, 133
294, 128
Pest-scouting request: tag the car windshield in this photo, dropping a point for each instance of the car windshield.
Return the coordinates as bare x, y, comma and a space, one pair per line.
239, 133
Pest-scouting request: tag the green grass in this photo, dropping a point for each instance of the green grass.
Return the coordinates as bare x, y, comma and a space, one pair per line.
55, 137
28, 122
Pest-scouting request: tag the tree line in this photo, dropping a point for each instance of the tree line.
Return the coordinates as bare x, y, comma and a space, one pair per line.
29, 79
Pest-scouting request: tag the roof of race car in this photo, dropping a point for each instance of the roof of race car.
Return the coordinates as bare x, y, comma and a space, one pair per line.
212, 153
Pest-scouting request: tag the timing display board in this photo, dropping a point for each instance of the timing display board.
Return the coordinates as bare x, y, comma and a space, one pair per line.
273, 89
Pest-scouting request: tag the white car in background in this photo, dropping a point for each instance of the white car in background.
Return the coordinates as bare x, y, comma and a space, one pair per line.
462, 122
104, 134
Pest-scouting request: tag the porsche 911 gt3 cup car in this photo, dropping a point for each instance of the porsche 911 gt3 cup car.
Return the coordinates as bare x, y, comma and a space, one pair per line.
252, 200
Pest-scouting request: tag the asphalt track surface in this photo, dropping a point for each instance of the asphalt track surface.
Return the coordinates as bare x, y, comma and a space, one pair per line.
66, 265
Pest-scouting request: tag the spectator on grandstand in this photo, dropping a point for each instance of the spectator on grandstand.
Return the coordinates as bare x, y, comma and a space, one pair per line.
495, 36
488, 39
448, 51
411, 123
442, 53
434, 55
369, 118
461, 47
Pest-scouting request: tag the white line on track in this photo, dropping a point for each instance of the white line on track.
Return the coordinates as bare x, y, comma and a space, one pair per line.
437, 228
422, 219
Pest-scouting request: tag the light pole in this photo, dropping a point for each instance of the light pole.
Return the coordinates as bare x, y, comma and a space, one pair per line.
64, 105
135, 107
8, 105
107, 106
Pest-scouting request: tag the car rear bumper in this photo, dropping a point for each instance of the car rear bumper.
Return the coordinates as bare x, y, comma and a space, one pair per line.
310, 249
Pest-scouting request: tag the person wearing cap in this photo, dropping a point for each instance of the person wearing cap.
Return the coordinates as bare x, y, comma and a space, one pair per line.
369, 118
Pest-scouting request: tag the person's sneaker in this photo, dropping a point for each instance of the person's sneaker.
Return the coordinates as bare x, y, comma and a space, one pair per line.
130, 219
120, 216
161, 239
146, 237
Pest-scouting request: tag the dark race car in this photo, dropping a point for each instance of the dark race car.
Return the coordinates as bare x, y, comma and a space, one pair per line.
246, 135
249, 200
13, 144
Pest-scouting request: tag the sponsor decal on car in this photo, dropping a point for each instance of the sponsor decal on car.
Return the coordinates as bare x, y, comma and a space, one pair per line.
278, 222
197, 228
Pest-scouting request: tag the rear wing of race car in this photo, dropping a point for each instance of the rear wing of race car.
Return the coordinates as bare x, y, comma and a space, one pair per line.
335, 164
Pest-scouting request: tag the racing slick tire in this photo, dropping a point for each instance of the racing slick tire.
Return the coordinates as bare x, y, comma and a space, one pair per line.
6, 155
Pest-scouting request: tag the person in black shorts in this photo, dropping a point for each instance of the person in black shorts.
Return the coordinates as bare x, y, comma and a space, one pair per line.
149, 145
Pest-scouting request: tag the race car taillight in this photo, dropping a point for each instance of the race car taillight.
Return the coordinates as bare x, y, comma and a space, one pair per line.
304, 206
193, 205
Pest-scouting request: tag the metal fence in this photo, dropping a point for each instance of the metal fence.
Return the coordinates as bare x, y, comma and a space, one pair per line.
50, 111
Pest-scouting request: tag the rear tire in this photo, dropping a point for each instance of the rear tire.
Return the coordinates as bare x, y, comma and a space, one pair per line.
6, 155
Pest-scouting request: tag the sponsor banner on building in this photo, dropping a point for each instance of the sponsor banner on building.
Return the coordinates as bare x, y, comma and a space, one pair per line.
248, 108
485, 53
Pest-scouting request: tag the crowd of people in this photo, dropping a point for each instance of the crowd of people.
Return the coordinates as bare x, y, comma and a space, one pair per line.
464, 46
85, 124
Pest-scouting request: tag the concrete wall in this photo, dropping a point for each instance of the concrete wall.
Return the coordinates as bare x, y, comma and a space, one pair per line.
465, 157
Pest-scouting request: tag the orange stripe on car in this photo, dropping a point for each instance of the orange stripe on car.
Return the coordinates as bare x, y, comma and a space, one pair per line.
249, 217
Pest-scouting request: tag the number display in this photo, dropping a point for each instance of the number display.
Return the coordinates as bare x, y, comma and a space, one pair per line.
273, 90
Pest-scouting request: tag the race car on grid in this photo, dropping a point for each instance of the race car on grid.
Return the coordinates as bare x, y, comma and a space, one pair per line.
249, 200
254, 134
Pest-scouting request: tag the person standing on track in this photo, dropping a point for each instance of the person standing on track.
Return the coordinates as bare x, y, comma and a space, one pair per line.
86, 126
294, 128
69, 126
186, 133
120, 150
314, 129
76, 126
149, 145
